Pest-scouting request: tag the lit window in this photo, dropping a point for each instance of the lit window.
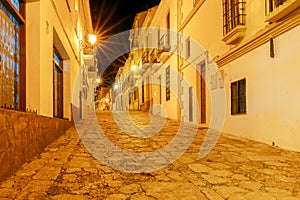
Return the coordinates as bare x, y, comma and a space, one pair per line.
233, 14
238, 97
15, 3
9, 59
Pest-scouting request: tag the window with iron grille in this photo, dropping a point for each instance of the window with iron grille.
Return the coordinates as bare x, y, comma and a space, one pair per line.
234, 14
238, 97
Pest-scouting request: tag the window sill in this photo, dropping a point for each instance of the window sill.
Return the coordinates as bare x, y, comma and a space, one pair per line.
238, 114
283, 10
235, 35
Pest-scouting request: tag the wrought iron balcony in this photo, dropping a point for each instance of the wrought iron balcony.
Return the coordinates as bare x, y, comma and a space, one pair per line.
164, 42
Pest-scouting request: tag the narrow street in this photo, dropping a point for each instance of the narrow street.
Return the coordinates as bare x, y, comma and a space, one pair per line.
236, 168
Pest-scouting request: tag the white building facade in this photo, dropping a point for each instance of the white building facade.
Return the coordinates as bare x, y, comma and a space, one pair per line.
57, 75
253, 45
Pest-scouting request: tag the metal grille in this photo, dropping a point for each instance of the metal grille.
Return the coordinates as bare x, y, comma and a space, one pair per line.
234, 14
9, 61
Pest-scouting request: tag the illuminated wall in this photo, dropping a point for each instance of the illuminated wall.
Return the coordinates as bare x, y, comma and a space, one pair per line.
60, 25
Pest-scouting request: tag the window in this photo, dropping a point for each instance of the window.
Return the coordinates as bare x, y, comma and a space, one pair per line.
15, 3
238, 97
129, 98
168, 97
143, 92
135, 93
273, 4
9, 56
191, 104
233, 14
278, 9
57, 85
188, 47
167, 42
164, 35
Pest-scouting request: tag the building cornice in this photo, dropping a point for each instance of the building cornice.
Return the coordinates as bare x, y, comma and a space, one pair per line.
260, 38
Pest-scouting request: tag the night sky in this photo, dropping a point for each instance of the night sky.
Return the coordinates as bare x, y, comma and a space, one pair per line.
109, 18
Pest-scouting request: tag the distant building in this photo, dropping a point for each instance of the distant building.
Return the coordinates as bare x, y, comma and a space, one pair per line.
253, 43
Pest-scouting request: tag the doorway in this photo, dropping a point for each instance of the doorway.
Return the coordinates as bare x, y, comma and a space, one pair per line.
191, 104
159, 93
57, 85
203, 92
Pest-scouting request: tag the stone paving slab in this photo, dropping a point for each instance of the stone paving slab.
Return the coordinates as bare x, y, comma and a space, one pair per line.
236, 169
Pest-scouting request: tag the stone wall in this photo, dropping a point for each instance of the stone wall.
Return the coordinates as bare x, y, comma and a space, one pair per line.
25, 135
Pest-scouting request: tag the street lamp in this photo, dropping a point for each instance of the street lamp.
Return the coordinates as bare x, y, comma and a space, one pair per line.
133, 68
116, 86
92, 39
87, 43
98, 80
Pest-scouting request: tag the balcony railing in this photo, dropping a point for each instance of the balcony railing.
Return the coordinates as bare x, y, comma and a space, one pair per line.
145, 56
234, 14
153, 56
164, 42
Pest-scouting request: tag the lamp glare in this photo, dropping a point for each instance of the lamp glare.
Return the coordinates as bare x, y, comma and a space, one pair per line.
92, 39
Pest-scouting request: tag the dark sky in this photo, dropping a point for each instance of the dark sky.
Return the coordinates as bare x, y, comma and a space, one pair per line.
109, 18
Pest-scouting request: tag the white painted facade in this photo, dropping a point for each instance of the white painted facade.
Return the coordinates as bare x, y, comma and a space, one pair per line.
263, 50
62, 25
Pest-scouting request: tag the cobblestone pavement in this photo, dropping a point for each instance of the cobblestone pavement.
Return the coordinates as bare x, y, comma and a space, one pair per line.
236, 168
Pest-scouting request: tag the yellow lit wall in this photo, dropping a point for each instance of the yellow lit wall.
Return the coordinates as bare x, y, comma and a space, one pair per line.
53, 23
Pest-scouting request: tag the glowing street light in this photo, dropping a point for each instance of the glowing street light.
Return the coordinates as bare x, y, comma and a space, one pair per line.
98, 80
116, 86
92, 39
133, 68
